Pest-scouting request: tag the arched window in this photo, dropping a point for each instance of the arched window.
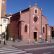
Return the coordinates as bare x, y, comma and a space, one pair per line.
25, 28
35, 11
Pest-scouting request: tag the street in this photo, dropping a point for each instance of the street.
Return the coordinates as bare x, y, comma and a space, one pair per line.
45, 50
10, 50
38, 48
28, 49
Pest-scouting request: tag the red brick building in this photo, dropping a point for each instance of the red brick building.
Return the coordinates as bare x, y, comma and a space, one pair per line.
29, 24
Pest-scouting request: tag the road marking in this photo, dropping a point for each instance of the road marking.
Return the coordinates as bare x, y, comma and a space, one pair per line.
39, 48
7, 50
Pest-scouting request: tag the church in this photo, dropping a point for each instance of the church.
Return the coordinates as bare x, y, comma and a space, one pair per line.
29, 25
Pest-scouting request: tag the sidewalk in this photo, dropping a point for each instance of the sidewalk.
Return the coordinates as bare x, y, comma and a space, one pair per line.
32, 45
22, 43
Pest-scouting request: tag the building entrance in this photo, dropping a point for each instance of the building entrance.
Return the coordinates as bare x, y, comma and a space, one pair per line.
35, 36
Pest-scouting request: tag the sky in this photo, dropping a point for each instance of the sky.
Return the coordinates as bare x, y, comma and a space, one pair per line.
14, 6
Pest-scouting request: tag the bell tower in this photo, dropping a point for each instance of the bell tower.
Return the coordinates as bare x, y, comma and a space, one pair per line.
3, 8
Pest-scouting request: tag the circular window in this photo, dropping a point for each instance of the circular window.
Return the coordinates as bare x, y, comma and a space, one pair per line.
35, 18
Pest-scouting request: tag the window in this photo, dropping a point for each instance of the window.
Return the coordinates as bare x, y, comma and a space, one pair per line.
35, 11
25, 28
35, 18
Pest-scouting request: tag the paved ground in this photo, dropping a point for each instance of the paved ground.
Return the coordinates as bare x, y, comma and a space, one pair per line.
42, 50
33, 46
10, 50
39, 50
22, 43
27, 48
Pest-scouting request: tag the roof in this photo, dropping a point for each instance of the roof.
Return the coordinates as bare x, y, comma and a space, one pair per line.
15, 16
25, 10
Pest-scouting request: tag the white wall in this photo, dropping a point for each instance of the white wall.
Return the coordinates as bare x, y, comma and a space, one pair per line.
4, 24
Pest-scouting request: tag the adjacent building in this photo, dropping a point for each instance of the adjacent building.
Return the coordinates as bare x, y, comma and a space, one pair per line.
4, 20
2, 13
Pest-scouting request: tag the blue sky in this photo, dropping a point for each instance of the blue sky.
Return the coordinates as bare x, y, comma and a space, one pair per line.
14, 6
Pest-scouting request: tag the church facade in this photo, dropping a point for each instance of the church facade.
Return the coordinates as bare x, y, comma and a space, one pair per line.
29, 25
